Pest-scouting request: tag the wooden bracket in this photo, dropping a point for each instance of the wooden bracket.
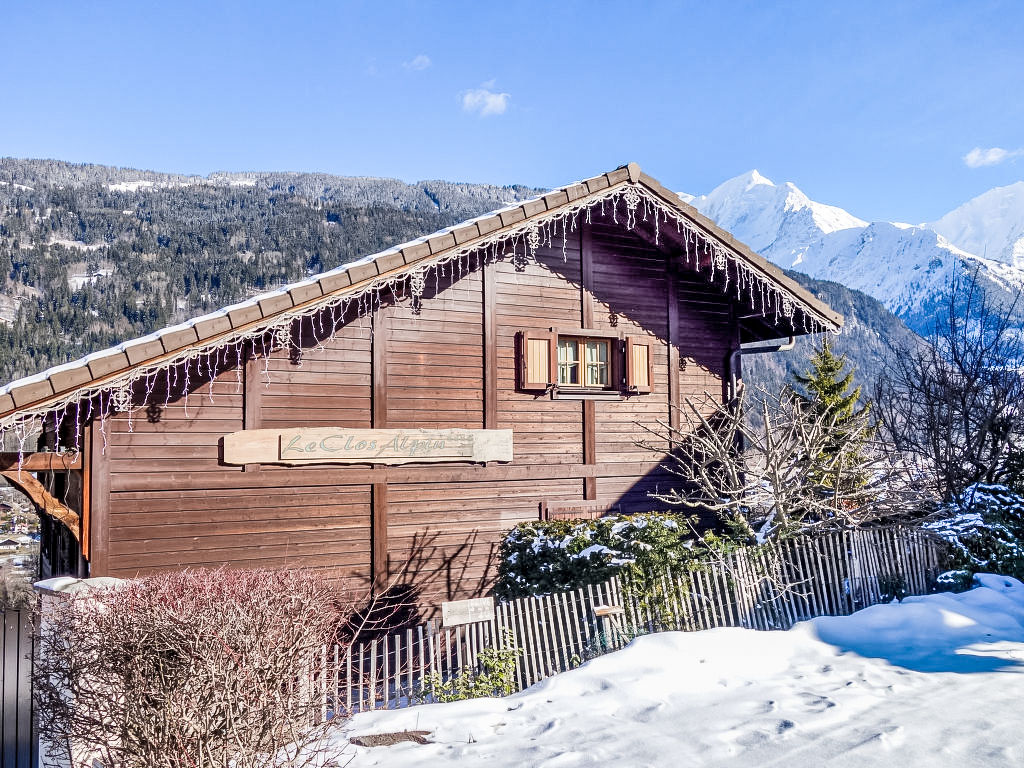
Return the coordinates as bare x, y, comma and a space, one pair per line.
46, 503
46, 461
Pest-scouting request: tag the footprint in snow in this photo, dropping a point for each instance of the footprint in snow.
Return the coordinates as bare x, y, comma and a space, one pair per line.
645, 714
815, 703
761, 736
784, 725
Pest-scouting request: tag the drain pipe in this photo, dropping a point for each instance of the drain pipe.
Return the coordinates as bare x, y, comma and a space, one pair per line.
734, 359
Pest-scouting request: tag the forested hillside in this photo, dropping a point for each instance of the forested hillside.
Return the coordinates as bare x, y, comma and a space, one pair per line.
870, 335
92, 255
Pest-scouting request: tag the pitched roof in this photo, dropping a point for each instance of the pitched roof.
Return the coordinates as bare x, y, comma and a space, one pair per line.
95, 371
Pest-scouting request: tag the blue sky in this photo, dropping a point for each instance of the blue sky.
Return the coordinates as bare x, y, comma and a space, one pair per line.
870, 106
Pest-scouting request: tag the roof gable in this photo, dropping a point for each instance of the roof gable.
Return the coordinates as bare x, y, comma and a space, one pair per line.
626, 192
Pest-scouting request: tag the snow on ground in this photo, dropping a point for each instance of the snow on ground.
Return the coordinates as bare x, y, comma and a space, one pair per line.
934, 681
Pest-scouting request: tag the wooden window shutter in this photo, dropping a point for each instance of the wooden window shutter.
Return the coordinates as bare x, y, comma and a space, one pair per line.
538, 361
639, 374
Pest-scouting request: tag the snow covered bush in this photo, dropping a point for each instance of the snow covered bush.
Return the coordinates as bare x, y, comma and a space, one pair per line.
197, 668
985, 526
541, 557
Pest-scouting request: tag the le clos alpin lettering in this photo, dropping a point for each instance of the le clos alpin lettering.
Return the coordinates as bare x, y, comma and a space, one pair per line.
342, 443
319, 445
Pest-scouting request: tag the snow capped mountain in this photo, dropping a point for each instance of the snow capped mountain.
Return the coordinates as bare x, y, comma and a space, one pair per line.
905, 267
767, 216
990, 225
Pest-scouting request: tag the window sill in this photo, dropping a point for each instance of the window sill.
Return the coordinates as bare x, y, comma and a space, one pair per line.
578, 393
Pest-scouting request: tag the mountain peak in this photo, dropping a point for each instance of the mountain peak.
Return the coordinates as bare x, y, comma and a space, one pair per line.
755, 177
765, 215
741, 184
989, 225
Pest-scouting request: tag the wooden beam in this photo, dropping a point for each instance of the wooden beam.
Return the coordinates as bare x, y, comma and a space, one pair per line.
85, 540
98, 468
589, 447
379, 536
45, 461
379, 420
490, 324
327, 476
587, 319
673, 342
587, 275
252, 400
44, 502
378, 353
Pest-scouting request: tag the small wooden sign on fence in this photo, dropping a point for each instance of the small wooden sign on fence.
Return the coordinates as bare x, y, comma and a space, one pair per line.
467, 611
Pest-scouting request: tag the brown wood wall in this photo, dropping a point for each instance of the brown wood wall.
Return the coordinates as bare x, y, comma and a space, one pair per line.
171, 503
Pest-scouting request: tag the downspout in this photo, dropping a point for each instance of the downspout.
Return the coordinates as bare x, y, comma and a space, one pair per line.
734, 359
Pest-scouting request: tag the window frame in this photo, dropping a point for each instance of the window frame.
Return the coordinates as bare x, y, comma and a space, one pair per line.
582, 363
622, 376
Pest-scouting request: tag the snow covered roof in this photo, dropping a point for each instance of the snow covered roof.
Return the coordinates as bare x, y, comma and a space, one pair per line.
210, 330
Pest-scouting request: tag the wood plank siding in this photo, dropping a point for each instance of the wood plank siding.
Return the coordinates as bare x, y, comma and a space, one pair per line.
448, 361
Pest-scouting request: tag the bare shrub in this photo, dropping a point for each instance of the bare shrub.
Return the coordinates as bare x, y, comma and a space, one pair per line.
788, 476
954, 403
195, 668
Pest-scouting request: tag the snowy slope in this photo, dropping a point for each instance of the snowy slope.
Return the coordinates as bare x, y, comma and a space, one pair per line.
933, 682
905, 267
990, 225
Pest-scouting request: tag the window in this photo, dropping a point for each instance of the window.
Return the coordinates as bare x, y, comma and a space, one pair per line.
569, 362
583, 361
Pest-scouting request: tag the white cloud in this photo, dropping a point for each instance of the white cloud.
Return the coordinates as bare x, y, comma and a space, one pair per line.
979, 157
418, 63
484, 101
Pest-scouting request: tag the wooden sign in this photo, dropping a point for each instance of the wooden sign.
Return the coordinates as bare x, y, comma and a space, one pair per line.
320, 445
576, 510
467, 611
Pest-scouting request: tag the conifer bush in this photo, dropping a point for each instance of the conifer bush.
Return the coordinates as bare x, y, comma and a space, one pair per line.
985, 526
541, 557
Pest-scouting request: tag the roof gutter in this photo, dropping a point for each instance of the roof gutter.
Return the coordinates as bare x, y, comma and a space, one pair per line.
734, 359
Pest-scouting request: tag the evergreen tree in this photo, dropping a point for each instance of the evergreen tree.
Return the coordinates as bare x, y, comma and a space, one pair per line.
826, 389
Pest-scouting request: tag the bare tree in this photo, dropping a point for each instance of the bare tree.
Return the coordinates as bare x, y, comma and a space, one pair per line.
953, 403
785, 476
200, 668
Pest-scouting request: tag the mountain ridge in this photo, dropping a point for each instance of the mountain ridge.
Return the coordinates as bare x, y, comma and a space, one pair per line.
907, 267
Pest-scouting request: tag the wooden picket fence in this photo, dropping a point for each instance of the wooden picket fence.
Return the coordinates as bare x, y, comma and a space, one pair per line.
768, 587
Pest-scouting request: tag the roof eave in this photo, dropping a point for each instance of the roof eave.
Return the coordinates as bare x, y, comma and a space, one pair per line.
206, 330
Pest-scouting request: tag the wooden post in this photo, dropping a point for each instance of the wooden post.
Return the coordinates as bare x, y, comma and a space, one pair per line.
379, 416
587, 321
98, 471
490, 326
379, 374
85, 531
252, 406
379, 536
673, 342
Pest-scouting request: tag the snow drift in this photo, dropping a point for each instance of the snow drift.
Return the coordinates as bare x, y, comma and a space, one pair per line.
932, 681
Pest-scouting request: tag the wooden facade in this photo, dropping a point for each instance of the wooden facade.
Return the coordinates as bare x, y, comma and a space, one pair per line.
155, 493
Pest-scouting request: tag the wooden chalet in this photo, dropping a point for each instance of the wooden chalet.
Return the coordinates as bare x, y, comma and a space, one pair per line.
389, 420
